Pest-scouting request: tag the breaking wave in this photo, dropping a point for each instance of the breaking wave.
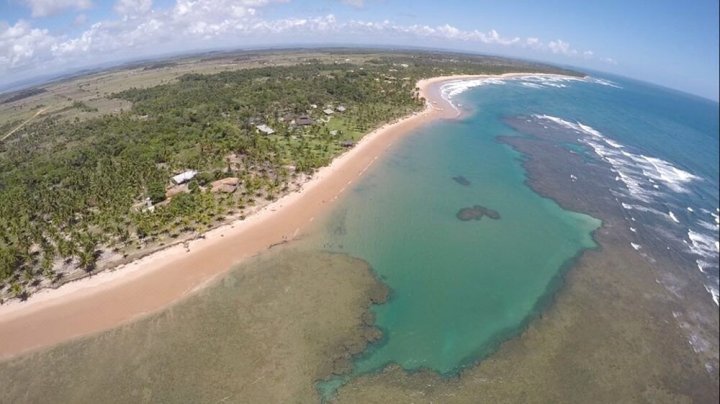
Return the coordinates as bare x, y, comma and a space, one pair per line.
655, 186
602, 82
642, 175
452, 88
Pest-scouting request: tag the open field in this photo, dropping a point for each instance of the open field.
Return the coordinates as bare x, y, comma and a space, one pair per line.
94, 90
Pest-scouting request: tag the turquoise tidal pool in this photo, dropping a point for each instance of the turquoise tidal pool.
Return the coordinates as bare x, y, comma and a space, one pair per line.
459, 287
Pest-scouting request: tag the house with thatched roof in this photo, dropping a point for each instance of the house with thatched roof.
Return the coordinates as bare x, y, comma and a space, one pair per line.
303, 120
225, 185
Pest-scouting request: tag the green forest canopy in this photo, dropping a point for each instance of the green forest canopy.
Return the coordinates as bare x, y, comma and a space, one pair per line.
70, 189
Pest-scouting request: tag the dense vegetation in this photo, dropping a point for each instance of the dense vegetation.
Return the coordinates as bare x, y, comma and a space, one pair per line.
19, 95
70, 190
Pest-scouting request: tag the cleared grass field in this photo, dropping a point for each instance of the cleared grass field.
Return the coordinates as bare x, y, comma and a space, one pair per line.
95, 90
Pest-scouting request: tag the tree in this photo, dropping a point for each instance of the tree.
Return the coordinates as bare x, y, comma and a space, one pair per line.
60, 178
19, 291
193, 186
156, 191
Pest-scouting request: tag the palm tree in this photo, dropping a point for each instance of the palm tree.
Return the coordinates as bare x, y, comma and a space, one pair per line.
87, 260
19, 291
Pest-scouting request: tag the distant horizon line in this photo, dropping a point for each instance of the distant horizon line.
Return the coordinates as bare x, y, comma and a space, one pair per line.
70, 73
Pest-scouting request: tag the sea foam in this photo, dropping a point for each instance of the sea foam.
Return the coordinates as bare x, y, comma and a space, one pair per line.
602, 82
640, 173
651, 184
703, 244
714, 293
452, 88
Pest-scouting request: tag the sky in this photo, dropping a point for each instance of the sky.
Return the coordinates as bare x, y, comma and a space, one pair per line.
666, 42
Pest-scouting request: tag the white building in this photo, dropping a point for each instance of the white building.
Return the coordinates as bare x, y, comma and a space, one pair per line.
184, 177
265, 129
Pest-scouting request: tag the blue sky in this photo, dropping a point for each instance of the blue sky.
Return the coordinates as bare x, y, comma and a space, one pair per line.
670, 43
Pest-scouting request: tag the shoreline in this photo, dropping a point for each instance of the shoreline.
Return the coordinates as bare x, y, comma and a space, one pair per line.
149, 284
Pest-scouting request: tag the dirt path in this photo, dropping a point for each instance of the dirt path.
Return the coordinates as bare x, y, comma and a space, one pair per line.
7, 135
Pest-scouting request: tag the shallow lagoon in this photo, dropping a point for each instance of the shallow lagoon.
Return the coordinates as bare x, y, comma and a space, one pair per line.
459, 288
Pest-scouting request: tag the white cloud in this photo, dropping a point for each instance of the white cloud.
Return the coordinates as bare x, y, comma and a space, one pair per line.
43, 8
143, 30
80, 20
132, 7
561, 47
354, 3
21, 45
446, 31
77, 46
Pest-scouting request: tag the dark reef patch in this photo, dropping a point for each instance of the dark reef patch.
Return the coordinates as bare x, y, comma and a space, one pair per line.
462, 180
476, 213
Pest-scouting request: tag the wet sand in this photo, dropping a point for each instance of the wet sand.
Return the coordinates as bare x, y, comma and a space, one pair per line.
113, 298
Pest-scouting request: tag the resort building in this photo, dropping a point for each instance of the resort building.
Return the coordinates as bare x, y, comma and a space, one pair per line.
328, 111
340, 108
265, 129
184, 177
303, 120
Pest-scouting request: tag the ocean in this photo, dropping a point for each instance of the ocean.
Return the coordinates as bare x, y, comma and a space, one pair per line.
459, 288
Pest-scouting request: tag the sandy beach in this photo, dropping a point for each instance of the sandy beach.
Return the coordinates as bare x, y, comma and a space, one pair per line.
147, 285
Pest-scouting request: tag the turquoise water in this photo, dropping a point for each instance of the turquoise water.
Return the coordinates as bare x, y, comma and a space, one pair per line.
458, 287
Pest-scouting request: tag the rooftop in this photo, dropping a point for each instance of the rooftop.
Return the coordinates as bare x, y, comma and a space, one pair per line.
303, 120
184, 176
265, 129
